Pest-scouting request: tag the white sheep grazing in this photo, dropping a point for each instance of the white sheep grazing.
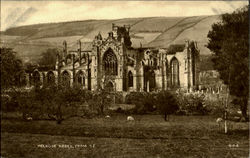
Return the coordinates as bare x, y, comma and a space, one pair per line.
130, 118
107, 116
219, 121
29, 118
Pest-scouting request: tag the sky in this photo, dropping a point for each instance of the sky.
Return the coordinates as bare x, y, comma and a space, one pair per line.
18, 13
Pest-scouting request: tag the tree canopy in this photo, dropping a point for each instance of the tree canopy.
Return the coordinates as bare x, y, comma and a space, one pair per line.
167, 103
229, 42
48, 59
11, 68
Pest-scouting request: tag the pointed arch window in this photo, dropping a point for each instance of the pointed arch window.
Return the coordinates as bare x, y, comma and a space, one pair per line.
80, 78
83, 81
130, 79
50, 78
110, 62
44, 77
36, 77
66, 78
175, 72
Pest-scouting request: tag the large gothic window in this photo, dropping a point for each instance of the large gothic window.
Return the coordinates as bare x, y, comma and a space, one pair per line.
130, 79
174, 72
110, 63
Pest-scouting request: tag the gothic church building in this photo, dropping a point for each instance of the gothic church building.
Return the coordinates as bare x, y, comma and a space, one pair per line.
113, 63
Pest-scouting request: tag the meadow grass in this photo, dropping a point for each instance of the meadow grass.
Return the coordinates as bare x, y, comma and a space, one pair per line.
147, 136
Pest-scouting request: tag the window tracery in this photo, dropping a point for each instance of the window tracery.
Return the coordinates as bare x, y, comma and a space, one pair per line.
110, 63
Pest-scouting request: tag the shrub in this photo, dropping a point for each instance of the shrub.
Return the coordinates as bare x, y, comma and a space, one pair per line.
65, 101
133, 97
192, 104
167, 103
57, 102
215, 107
118, 98
30, 104
100, 101
8, 103
144, 102
149, 102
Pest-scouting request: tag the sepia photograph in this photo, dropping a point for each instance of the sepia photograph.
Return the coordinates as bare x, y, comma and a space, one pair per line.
124, 79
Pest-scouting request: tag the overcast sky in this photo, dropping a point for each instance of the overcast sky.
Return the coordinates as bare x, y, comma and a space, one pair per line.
17, 13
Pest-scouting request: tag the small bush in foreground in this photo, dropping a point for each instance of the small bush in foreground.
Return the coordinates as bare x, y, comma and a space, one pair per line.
167, 104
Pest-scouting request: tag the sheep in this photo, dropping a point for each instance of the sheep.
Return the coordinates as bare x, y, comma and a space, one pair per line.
219, 121
29, 118
130, 118
237, 118
239, 112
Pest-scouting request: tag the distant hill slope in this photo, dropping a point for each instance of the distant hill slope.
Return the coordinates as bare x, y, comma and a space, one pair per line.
30, 41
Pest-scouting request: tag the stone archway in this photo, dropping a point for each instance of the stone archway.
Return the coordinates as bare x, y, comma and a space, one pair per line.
80, 78
109, 86
36, 78
65, 78
50, 78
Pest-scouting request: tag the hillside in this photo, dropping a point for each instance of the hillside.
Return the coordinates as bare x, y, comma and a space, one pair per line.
30, 41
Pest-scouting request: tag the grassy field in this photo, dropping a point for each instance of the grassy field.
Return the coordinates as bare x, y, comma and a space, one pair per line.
147, 136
